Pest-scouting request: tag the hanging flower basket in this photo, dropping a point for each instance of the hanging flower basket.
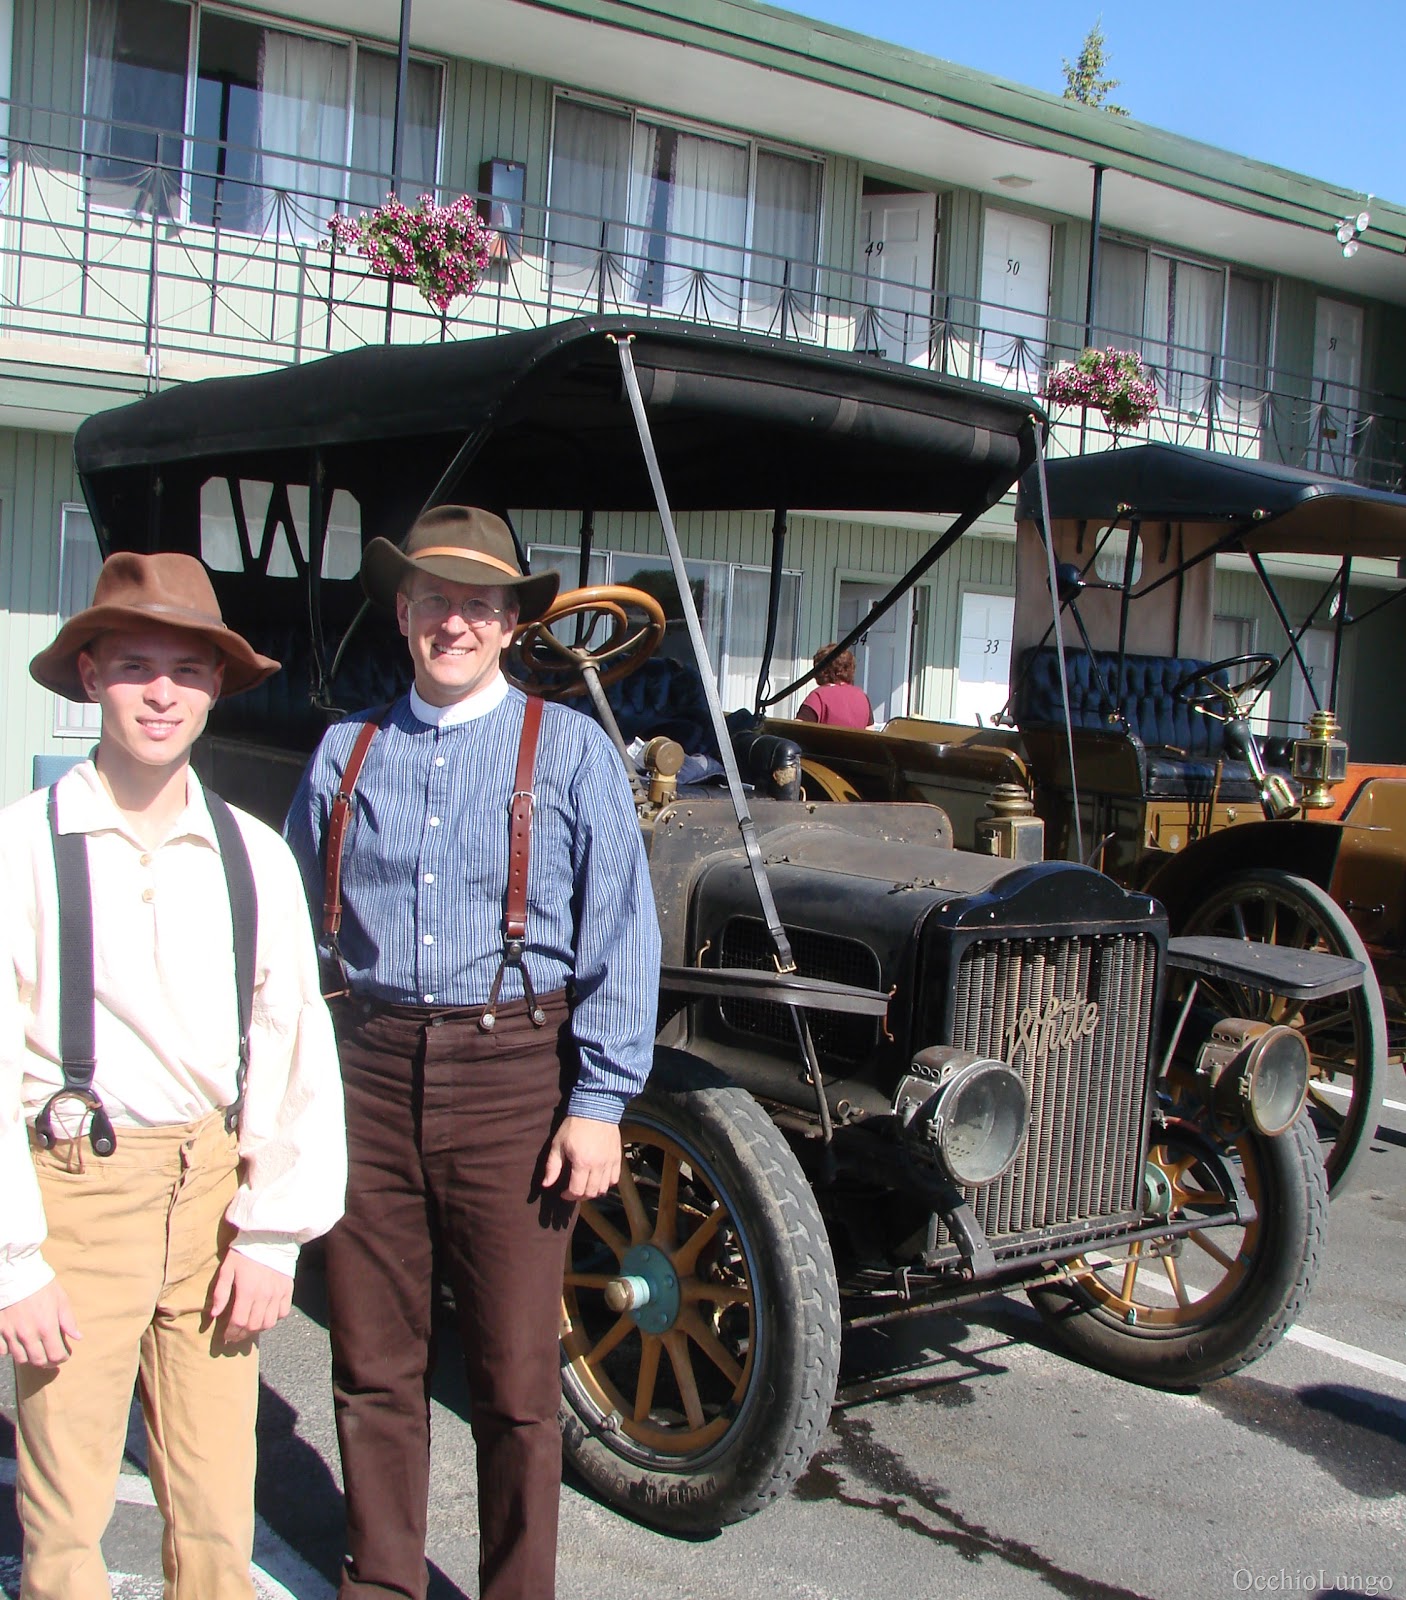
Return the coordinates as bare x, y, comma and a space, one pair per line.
442, 250
1114, 382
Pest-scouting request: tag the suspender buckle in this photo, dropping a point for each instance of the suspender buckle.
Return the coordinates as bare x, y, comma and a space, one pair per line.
100, 1132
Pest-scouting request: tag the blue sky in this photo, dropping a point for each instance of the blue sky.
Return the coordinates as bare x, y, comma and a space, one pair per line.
1319, 88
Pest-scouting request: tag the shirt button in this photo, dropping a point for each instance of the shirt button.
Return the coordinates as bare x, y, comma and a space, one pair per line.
429, 1001
429, 937
439, 761
434, 822
148, 895
146, 861
429, 877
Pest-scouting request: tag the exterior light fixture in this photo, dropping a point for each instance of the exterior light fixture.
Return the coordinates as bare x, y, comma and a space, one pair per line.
1348, 231
1013, 180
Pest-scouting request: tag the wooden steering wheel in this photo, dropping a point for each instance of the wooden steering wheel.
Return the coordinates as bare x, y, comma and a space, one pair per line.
541, 663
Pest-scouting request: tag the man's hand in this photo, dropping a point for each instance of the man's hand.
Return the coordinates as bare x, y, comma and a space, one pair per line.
258, 1297
586, 1155
40, 1329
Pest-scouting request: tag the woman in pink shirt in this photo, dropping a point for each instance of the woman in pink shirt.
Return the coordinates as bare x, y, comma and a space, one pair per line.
836, 698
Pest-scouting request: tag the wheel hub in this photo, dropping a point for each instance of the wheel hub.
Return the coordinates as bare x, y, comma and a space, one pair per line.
647, 1288
1156, 1191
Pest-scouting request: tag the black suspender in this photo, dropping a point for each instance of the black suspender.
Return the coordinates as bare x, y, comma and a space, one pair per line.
244, 914
77, 1049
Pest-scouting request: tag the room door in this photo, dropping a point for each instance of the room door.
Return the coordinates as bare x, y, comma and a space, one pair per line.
984, 656
880, 655
897, 235
1015, 299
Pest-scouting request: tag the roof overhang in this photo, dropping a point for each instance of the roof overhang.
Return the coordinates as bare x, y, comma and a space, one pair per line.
914, 118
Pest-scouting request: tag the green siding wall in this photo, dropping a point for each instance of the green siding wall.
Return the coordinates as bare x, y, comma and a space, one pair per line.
960, 240
47, 71
36, 480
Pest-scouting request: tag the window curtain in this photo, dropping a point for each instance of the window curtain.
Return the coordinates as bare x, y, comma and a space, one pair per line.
746, 635
591, 181
373, 129
1184, 304
302, 131
640, 250
1246, 351
706, 219
784, 228
136, 102
1122, 294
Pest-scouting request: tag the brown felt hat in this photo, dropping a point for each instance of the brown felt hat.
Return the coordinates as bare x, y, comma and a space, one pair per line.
463, 545
133, 589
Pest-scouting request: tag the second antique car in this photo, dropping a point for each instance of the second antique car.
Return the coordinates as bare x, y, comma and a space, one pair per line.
1168, 773
892, 1074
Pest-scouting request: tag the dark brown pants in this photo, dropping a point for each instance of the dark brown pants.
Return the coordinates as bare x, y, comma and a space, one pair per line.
447, 1129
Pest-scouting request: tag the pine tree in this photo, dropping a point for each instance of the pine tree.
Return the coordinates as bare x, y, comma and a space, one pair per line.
1084, 80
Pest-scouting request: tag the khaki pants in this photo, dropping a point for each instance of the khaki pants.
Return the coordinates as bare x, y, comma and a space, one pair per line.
136, 1240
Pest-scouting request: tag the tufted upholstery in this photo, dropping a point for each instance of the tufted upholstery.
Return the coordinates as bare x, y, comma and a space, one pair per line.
663, 698
1177, 748
1153, 715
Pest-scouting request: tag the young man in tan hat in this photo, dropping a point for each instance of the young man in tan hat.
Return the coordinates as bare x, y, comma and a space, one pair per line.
485, 1077
170, 1104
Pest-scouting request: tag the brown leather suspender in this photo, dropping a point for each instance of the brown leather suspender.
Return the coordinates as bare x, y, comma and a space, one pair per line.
519, 855
337, 830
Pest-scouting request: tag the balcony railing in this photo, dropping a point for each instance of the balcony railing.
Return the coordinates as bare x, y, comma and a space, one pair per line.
174, 270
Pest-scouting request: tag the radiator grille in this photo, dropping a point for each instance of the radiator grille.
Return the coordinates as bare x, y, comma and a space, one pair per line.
745, 942
1029, 1002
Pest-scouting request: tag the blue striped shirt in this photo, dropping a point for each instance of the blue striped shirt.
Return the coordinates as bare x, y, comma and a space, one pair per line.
425, 868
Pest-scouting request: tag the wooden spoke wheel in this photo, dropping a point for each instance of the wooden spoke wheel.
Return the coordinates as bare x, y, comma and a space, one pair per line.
1346, 1033
1182, 1310
700, 1316
616, 630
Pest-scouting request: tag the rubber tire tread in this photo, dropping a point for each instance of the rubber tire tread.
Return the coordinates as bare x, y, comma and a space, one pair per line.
1295, 1226
1367, 1085
787, 1417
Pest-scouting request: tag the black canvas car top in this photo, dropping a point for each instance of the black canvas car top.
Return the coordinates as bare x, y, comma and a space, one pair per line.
1282, 508
740, 421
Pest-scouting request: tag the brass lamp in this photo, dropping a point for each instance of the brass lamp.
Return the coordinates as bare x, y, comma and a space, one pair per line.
1320, 761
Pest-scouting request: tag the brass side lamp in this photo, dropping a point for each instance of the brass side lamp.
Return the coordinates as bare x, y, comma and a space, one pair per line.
1320, 761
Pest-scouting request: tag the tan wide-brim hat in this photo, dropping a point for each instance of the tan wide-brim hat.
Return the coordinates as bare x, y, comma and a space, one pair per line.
133, 591
463, 545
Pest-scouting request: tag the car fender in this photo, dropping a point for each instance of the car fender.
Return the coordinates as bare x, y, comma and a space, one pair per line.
1307, 849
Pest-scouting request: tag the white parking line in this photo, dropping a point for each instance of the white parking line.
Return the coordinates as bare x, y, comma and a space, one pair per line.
1346, 1094
1369, 1360
280, 1573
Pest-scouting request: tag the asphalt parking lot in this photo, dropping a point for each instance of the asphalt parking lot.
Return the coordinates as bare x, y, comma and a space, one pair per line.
1004, 1470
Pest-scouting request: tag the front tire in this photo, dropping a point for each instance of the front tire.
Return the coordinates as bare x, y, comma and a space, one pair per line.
704, 1404
1177, 1314
1346, 1033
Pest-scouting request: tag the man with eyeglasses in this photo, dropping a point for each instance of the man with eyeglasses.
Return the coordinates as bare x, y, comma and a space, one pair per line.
484, 1083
